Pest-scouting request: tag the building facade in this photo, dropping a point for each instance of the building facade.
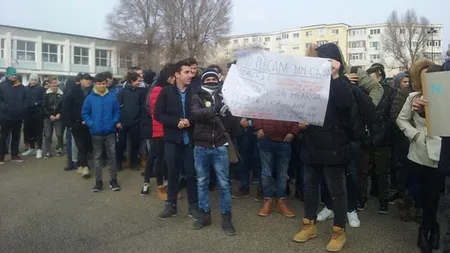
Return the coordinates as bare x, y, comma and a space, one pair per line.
360, 45
58, 54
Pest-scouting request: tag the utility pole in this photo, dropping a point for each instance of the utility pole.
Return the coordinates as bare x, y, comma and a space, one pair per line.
432, 31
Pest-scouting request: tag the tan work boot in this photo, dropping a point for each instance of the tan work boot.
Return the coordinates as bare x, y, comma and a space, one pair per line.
80, 170
338, 240
86, 173
162, 192
283, 209
267, 207
308, 231
142, 160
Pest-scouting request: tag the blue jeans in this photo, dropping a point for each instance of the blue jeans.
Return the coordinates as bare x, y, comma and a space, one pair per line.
217, 158
352, 182
246, 145
274, 156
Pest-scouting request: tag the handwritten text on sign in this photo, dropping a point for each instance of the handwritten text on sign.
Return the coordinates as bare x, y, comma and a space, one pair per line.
266, 85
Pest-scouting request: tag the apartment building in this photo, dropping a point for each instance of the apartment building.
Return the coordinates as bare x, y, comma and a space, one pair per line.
365, 47
321, 34
59, 54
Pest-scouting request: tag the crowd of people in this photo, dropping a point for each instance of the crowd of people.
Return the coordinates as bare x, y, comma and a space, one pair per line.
176, 125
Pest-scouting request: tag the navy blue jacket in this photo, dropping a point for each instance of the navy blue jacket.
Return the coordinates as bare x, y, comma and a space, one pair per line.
13, 101
101, 113
35, 96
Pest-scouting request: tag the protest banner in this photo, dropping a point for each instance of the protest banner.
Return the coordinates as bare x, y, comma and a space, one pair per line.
437, 92
266, 85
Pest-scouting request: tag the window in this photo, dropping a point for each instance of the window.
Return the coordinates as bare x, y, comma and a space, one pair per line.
102, 58
278, 38
296, 35
321, 31
245, 40
402, 30
307, 45
61, 54
335, 31
235, 41
358, 56
267, 39
125, 62
375, 57
436, 43
357, 32
434, 56
296, 48
357, 44
321, 42
81, 55
375, 44
254, 39
375, 31
25, 50
49, 52
308, 33
2, 48
285, 36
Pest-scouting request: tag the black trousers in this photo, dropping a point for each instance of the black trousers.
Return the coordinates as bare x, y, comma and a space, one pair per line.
122, 144
7, 126
155, 159
33, 127
83, 141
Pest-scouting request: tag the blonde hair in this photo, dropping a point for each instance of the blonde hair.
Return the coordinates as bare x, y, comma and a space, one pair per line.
416, 70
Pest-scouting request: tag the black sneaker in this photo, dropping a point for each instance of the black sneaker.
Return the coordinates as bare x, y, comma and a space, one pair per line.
145, 189
170, 210
384, 206
203, 221
394, 196
259, 195
361, 205
227, 224
194, 212
241, 193
114, 185
98, 186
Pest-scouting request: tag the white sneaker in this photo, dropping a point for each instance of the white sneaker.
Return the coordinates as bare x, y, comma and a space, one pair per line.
325, 214
30, 151
39, 154
353, 219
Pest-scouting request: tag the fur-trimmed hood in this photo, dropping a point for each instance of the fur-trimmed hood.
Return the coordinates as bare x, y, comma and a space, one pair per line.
415, 71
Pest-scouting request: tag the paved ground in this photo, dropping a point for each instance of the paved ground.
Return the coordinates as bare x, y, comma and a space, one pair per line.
44, 209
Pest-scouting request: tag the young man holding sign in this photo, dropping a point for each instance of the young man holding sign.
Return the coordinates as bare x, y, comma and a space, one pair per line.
327, 153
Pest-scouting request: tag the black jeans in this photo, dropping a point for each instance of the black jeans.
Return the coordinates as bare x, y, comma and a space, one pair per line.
382, 161
33, 127
335, 179
431, 182
133, 132
14, 127
403, 165
180, 159
156, 158
82, 139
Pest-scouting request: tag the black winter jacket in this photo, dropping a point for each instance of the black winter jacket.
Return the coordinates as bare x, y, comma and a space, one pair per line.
381, 130
131, 100
146, 130
207, 132
330, 144
53, 103
72, 104
13, 101
169, 111
35, 100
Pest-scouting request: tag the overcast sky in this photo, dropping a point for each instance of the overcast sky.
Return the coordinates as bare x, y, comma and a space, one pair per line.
249, 16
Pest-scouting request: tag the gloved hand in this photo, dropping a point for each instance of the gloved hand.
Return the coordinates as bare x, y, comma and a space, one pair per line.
218, 107
224, 110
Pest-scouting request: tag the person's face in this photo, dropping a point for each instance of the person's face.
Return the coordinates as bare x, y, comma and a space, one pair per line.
138, 81
422, 76
100, 86
404, 82
211, 80
33, 82
194, 69
109, 81
171, 79
141, 74
185, 75
54, 85
85, 83
12, 78
375, 77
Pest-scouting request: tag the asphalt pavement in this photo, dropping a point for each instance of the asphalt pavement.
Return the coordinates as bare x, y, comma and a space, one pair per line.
44, 209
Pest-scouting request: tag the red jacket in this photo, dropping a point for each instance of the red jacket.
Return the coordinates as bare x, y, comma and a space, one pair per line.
157, 127
276, 130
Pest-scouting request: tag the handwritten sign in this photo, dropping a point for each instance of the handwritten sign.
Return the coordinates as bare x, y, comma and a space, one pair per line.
437, 92
266, 85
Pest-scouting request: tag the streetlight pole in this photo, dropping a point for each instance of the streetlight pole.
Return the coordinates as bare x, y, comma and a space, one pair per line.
432, 31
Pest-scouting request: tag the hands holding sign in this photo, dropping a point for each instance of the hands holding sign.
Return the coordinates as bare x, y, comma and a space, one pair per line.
335, 66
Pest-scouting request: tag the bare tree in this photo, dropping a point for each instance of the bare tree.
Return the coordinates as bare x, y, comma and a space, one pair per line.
136, 24
406, 37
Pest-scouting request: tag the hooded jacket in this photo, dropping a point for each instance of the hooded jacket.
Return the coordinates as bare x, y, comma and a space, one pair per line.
131, 100
13, 101
157, 127
400, 97
53, 103
330, 144
35, 100
101, 112
72, 104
